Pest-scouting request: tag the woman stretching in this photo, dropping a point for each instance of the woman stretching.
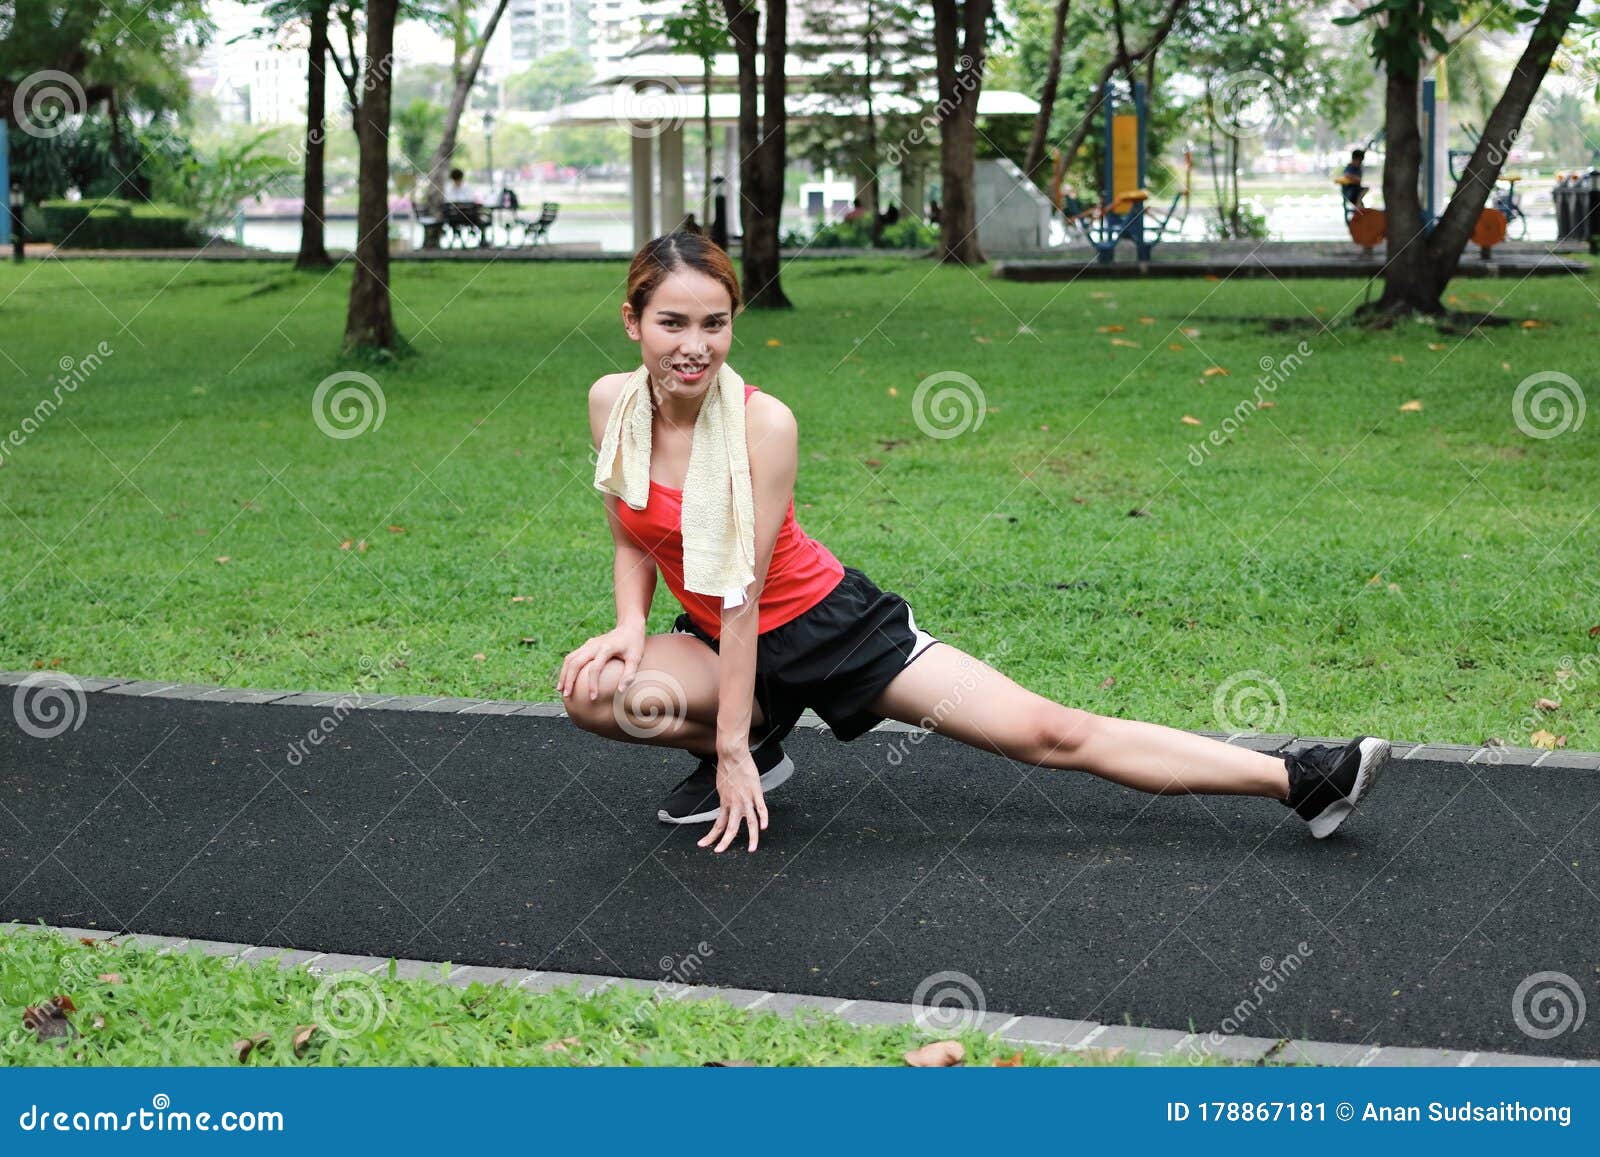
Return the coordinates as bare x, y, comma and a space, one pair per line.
698, 472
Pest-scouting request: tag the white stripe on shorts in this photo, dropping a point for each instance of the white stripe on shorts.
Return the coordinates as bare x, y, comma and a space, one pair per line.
924, 640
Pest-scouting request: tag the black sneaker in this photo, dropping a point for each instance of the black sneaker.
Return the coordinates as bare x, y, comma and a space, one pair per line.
1326, 782
695, 799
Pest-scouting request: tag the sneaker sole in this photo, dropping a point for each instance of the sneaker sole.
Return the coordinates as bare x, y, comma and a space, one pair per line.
774, 778
1374, 757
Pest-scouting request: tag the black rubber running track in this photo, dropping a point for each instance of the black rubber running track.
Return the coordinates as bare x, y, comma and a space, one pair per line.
524, 842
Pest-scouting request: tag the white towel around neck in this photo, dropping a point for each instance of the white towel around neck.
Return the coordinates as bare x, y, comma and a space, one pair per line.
718, 500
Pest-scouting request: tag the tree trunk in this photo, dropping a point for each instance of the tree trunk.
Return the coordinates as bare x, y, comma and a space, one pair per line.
960, 81
1047, 95
369, 325
1418, 268
465, 75
870, 198
761, 168
707, 209
313, 246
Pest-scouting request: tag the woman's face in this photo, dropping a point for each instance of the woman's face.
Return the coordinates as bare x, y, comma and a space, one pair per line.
685, 333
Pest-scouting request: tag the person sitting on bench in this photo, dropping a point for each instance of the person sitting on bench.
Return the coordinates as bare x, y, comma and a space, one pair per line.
458, 191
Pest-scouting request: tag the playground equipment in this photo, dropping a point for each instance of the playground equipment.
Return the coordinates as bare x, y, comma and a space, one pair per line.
1123, 209
1368, 226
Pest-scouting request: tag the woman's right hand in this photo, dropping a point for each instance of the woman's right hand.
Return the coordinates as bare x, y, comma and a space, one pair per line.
625, 643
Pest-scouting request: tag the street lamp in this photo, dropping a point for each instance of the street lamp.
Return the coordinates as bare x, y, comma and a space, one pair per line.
488, 148
16, 222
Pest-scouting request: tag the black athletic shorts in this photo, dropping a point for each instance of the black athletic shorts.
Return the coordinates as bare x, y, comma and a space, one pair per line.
834, 658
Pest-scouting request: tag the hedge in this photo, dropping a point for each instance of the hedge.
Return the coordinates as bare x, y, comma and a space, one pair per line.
118, 225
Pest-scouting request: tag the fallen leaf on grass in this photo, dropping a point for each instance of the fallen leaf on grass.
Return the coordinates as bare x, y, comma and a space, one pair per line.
110, 977
1108, 681
48, 1021
1010, 1062
1147, 321
1214, 371
1175, 347
1266, 405
981, 338
1530, 323
1112, 328
1398, 359
224, 558
774, 342
729, 1065
397, 530
939, 1054
1548, 704
1548, 742
893, 393
562, 1045
1191, 331
1436, 346
245, 1045
1124, 342
1412, 407
302, 1038
1191, 420
1594, 630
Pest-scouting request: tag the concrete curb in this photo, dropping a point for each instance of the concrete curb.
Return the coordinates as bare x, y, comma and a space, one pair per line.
1461, 753
1047, 1034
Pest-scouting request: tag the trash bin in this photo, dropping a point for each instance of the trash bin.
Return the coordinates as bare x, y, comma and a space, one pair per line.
1589, 208
1562, 196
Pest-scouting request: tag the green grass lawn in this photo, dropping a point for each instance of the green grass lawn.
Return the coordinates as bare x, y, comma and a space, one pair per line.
139, 1006
1422, 575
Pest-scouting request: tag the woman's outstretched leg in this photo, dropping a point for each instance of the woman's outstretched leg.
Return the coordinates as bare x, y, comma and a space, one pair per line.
949, 691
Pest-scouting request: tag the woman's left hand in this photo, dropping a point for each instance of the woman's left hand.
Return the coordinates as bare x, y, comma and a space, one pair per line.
739, 793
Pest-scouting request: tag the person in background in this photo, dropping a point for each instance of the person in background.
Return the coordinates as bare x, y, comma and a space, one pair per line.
1354, 190
458, 190
856, 212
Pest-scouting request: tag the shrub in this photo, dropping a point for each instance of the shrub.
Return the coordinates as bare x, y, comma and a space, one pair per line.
118, 225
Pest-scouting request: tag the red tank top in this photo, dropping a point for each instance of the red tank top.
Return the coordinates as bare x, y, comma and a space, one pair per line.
802, 571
